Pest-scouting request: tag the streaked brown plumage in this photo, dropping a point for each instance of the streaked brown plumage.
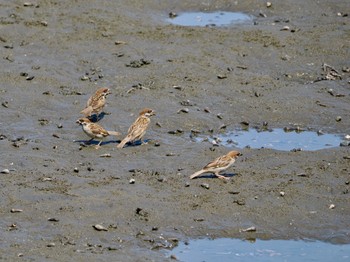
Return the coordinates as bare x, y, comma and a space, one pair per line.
96, 102
95, 131
219, 164
138, 129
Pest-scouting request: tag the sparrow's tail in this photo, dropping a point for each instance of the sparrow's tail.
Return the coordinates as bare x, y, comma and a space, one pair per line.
113, 133
123, 142
87, 111
198, 173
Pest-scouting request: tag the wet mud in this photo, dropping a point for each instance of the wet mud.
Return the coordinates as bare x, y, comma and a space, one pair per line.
61, 200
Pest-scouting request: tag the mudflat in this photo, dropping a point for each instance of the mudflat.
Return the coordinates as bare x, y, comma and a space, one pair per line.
287, 68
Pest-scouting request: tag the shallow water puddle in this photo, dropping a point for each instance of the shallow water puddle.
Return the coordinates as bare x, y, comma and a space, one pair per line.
225, 249
276, 139
210, 19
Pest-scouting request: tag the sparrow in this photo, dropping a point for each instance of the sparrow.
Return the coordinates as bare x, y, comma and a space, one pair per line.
95, 131
219, 164
138, 129
96, 102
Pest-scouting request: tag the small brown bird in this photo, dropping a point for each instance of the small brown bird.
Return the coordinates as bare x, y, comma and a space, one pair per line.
219, 164
96, 102
138, 129
95, 131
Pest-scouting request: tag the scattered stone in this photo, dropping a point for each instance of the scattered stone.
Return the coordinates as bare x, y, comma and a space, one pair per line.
76, 170
219, 116
346, 69
239, 202
183, 110
132, 181
330, 73
205, 185
99, 227
5, 171
346, 157
285, 28
338, 118
56, 135
198, 219
16, 210
206, 109
186, 103
5, 104
52, 219
268, 4
84, 78
345, 143
220, 76
60, 125
331, 206
172, 15
178, 87
29, 78
118, 42
249, 229
51, 244
138, 63
282, 194
105, 155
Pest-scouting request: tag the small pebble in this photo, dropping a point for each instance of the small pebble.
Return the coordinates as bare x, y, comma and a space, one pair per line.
132, 181
282, 193
205, 185
338, 118
268, 4
99, 227
221, 76
52, 219
5, 171
183, 110
331, 206
172, 15
51, 244
249, 229
84, 78
16, 210
76, 170
105, 155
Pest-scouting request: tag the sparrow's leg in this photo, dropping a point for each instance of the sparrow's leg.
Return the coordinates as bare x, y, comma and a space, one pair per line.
89, 142
98, 145
222, 177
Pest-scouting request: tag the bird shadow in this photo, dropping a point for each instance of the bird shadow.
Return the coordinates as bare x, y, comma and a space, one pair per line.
95, 118
95, 142
137, 143
228, 175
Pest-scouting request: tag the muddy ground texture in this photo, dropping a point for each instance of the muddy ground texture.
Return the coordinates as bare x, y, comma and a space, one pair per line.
55, 54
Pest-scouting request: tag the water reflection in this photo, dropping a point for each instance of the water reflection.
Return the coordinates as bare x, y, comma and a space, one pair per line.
275, 139
210, 19
225, 249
